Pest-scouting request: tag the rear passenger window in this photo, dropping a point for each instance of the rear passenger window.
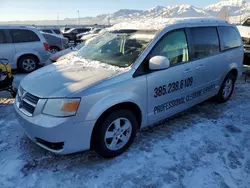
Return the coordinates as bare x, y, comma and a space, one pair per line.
229, 38
173, 46
205, 42
19, 35
57, 31
2, 37
47, 31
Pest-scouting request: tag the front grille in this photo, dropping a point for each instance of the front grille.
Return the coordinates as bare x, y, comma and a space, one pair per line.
246, 40
31, 98
27, 102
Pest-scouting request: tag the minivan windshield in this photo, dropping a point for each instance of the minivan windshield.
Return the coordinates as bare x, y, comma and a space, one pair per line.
119, 48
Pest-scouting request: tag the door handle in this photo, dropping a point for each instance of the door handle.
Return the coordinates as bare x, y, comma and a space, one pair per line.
199, 67
187, 70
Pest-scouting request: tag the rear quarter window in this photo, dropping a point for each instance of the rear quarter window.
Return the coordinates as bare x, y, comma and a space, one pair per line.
21, 35
47, 31
204, 42
3, 39
229, 38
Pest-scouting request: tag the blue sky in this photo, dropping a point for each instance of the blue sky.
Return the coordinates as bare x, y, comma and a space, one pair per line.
48, 9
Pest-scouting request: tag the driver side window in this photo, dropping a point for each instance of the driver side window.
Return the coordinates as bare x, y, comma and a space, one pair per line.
173, 46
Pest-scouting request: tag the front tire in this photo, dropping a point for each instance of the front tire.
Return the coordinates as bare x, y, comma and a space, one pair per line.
115, 133
226, 89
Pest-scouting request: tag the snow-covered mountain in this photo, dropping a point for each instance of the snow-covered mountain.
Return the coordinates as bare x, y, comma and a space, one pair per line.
235, 9
232, 7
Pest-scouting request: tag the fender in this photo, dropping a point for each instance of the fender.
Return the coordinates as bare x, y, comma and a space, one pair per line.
105, 103
19, 54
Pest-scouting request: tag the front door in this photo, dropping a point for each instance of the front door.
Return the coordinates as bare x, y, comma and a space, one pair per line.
171, 90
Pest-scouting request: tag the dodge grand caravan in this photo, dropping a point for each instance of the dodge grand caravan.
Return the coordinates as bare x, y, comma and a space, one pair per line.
24, 47
131, 76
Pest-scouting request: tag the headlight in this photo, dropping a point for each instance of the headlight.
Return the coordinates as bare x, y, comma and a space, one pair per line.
61, 107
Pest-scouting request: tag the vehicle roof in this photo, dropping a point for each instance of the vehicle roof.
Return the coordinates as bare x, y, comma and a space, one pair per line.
16, 27
49, 28
161, 23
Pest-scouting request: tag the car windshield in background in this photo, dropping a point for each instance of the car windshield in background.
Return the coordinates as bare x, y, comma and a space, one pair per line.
247, 23
69, 30
118, 48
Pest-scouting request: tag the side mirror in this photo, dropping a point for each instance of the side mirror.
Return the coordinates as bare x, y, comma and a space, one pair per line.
159, 63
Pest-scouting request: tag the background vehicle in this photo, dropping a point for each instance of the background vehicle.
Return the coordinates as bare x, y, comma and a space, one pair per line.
56, 42
66, 53
244, 30
24, 47
64, 29
71, 34
94, 31
54, 31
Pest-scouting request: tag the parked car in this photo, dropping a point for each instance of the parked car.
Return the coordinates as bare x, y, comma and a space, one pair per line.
66, 53
54, 31
71, 34
56, 42
244, 30
24, 47
64, 29
94, 31
127, 79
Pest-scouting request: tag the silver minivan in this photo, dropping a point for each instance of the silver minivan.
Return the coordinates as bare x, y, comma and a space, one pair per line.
24, 47
129, 77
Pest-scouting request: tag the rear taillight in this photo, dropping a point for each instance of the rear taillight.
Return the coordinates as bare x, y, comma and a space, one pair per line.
46, 46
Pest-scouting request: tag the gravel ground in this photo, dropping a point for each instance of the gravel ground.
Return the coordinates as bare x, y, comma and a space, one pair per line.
205, 146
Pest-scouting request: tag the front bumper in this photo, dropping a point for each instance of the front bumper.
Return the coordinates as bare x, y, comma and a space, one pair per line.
58, 135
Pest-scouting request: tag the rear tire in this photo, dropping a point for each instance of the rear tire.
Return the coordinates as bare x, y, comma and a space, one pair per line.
54, 49
226, 89
27, 64
115, 133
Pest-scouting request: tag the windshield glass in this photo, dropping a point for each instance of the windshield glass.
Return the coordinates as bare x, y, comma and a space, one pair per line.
118, 48
79, 46
69, 30
247, 23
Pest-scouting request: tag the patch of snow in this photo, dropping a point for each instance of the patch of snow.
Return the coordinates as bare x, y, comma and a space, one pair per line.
77, 60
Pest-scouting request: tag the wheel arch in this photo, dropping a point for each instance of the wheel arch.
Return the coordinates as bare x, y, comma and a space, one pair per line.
123, 105
28, 54
234, 71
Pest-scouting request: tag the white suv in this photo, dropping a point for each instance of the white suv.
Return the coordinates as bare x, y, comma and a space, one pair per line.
24, 47
244, 30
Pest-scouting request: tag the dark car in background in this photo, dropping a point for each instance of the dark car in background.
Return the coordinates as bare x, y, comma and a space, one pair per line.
56, 42
55, 31
71, 34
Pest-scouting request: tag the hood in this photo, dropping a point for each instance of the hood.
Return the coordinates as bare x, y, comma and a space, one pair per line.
61, 53
66, 77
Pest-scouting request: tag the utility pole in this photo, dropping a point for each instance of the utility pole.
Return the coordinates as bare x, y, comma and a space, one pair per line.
57, 19
78, 17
